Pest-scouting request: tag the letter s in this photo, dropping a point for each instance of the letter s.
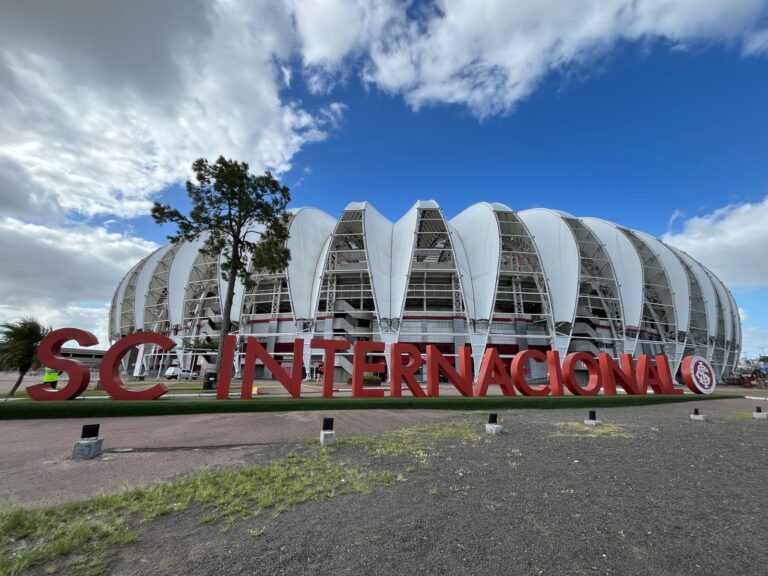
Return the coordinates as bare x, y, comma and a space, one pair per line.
48, 355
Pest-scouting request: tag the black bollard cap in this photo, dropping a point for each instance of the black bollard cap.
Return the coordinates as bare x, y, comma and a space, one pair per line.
592, 415
493, 418
758, 409
695, 411
327, 424
90, 431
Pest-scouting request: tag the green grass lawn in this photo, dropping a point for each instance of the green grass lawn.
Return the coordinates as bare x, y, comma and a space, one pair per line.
24, 409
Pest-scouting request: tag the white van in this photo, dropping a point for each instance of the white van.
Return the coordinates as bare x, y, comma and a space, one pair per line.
176, 373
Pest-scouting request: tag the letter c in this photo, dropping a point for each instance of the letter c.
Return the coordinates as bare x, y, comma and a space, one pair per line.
109, 373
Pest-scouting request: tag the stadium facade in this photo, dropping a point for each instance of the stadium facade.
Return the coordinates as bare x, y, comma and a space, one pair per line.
490, 276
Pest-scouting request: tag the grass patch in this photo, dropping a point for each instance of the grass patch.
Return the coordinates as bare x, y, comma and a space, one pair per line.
607, 430
173, 388
81, 538
246, 491
415, 441
87, 535
24, 409
742, 415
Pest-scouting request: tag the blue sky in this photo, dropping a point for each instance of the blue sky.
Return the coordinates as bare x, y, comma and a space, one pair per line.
651, 114
651, 137
648, 132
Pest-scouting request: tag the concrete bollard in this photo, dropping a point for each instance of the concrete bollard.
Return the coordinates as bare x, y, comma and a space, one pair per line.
758, 414
493, 426
88, 449
592, 419
327, 438
327, 435
697, 416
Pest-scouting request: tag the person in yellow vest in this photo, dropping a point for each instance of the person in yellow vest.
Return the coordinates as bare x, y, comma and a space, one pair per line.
51, 377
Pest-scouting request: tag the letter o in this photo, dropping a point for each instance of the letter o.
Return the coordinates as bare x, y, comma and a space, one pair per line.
569, 374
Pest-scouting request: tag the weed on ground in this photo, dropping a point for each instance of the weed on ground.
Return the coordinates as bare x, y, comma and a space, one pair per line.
605, 430
416, 441
81, 538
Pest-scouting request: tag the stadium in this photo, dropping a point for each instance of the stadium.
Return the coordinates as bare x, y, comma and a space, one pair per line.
489, 277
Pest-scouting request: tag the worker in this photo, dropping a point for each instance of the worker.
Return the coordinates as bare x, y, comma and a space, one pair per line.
51, 377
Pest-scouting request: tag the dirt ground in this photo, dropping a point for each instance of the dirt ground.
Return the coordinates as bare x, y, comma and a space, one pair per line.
36, 469
651, 493
655, 494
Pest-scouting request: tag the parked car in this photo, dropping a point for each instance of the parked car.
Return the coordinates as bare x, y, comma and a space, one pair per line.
176, 373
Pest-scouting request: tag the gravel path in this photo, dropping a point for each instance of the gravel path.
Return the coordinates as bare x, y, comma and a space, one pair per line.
654, 494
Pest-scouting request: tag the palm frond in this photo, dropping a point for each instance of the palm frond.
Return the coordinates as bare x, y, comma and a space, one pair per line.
19, 342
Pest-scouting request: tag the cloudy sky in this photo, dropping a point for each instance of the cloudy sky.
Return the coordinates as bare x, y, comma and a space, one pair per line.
650, 113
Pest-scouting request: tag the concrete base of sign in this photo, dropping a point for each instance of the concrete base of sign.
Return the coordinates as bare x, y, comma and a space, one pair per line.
593, 422
698, 417
327, 438
494, 428
88, 449
760, 415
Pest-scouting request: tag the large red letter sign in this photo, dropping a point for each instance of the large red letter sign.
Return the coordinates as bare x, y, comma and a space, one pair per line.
437, 364
48, 354
698, 375
613, 374
225, 376
360, 367
291, 382
405, 372
569, 372
109, 372
492, 371
517, 371
658, 377
330, 347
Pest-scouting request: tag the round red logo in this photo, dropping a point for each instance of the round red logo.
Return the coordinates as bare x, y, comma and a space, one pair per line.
698, 375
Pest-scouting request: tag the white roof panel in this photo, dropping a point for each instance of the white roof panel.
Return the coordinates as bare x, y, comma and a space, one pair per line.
736, 319
626, 265
478, 233
118, 311
378, 248
559, 254
317, 279
309, 230
678, 279
179, 277
465, 274
403, 238
707, 290
142, 285
725, 307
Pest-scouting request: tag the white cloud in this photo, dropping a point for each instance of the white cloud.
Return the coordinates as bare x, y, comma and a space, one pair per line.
727, 240
103, 105
676, 215
329, 29
754, 341
743, 316
106, 103
490, 54
757, 43
63, 276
